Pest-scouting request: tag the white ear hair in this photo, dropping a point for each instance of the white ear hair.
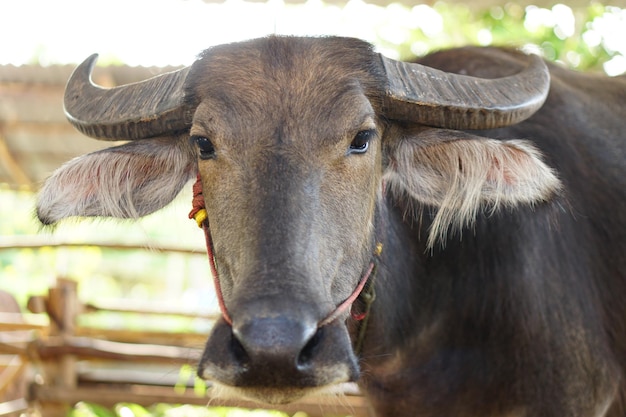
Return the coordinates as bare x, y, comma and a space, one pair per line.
462, 176
126, 181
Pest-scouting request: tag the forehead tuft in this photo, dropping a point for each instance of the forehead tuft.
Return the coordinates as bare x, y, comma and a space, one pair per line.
276, 64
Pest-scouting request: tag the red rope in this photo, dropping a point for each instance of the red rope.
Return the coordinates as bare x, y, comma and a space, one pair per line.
198, 212
347, 303
197, 202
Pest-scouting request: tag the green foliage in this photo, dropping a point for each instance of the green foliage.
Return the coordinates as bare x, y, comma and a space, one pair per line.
590, 38
186, 373
131, 410
85, 409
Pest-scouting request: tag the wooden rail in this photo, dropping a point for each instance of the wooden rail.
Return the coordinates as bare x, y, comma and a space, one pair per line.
88, 348
19, 321
103, 366
148, 395
13, 407
37, 242
15, 334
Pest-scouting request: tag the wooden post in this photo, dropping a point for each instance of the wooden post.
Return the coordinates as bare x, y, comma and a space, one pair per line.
12, 357
63, 309
68, 290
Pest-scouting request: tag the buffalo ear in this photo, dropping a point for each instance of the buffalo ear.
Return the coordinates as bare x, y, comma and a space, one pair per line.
126, 181
460, 174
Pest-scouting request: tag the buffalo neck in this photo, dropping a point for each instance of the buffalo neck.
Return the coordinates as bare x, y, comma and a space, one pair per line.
396, 282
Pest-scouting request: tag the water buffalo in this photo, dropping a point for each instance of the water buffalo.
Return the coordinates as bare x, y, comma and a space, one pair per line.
488, 230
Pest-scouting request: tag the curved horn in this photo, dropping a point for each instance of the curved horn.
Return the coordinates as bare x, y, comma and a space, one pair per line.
437, 98
140, 110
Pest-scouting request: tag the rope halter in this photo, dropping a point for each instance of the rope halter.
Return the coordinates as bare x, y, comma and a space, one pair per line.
364, 289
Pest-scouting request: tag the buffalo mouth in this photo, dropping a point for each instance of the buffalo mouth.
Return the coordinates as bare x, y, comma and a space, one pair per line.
277, 360
274, 395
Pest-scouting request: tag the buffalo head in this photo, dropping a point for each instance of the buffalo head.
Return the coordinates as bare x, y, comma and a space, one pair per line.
293, 139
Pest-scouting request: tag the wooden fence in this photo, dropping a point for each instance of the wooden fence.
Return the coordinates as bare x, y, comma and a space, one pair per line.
68, 363
14, 333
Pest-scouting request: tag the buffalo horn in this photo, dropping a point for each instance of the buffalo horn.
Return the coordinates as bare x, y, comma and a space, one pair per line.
452, 101
154, 107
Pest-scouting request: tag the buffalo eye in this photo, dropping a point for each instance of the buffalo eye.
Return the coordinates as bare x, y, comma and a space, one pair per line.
205, 147
361, 141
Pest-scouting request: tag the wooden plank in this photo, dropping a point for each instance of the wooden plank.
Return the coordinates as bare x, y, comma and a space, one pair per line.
144, 309
10, 373
10, 349
15, 406
36, 242
87, 348
318, 406
160, 375
19, 321
153, 337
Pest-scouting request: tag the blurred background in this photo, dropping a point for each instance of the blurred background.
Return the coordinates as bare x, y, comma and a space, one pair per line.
159, 262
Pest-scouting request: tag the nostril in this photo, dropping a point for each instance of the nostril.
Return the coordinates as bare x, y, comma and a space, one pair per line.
305, 358
239, 353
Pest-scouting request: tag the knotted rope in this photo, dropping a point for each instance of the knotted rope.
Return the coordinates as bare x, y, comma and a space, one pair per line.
199, 214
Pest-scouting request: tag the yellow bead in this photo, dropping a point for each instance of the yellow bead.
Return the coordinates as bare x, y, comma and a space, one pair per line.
200, 217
